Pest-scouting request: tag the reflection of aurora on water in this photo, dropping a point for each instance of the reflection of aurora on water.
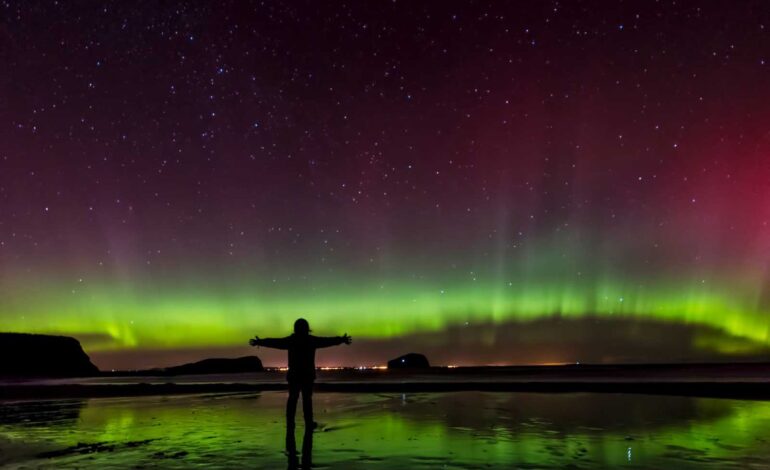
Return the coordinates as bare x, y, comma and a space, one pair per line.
465, 429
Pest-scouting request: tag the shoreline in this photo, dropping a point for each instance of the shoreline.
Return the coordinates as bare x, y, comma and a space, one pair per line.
701, 389
740, 381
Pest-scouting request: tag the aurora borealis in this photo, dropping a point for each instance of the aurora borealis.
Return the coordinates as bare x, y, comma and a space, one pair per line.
488, 182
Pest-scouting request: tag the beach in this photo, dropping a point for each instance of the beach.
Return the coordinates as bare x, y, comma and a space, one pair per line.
518, 417
363, 430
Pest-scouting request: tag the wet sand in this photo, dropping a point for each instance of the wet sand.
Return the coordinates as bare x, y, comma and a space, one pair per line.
389, 430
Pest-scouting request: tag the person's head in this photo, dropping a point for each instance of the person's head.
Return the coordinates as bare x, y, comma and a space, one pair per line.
301, 327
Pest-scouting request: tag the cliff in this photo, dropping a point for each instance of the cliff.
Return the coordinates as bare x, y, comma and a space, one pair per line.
30, 355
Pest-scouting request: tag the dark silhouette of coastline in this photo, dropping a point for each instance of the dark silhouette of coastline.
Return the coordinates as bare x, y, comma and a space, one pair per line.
22, 371
217, 366
301, 376
211, 366
409, 361
33, 355
740, 381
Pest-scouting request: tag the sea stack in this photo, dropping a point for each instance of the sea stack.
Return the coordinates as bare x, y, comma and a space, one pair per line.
409, 361
31, 355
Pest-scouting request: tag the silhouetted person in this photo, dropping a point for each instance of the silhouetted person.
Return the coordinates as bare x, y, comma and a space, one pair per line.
301, 346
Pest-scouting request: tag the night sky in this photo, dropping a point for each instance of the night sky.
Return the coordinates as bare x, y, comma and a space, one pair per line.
484, 182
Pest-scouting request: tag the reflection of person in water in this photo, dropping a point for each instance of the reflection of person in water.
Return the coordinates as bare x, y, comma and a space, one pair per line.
301, 346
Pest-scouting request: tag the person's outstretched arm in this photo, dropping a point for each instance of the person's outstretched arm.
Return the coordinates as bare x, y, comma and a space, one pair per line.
275, 343
325, 342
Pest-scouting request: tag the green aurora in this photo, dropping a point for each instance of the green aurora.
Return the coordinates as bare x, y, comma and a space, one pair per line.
170, 316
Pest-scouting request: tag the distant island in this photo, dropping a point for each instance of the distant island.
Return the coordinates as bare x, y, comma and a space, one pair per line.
409, 361
33, 355
212, 366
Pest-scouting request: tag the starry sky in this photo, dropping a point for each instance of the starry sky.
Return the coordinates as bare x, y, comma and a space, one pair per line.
484, 182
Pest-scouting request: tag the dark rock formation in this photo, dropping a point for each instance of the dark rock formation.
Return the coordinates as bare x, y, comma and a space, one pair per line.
409, 361
217, 366
27, 355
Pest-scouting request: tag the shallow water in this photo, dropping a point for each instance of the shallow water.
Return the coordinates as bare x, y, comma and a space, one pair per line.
444, 430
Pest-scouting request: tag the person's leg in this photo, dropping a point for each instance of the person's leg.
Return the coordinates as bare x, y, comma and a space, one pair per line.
307, 404
291, 404
307, 449
291, 448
